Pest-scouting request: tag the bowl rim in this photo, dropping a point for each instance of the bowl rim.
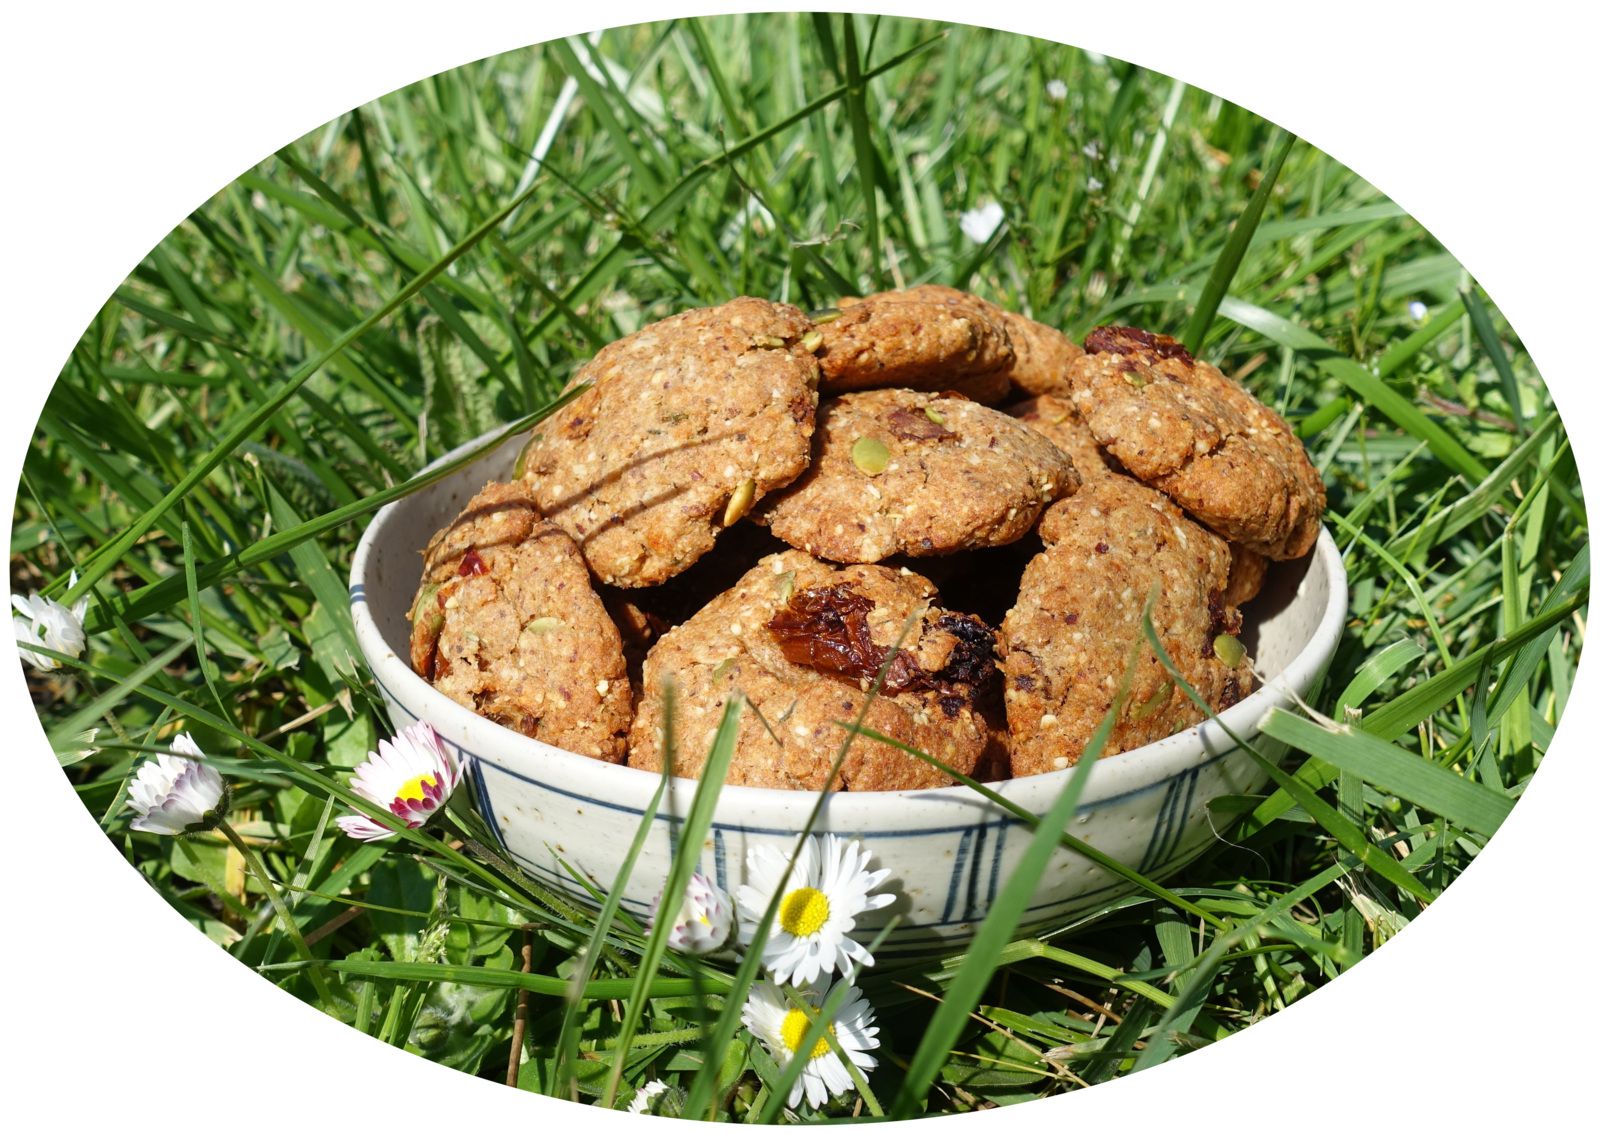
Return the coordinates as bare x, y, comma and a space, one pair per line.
1132, 773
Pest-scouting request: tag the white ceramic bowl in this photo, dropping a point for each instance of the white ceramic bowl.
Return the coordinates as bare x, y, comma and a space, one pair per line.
949, 848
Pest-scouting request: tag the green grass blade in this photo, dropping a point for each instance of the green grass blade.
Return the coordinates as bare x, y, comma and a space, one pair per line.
1205, 308
1006, 912
1393, 769
695, 827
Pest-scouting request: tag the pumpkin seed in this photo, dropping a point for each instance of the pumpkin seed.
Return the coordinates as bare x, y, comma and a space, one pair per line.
544, 624
811, 340
1229, 649
739, 503
870, 455
826, 315
1154, 702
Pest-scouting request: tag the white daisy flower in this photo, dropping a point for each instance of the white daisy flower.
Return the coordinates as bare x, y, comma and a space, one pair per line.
1092, 151
810, 936
1417, 310
176, 793
1056, 91
704, 920
412, 776
645, 1096
779, 1026
1095, 185
979, 224
45, 622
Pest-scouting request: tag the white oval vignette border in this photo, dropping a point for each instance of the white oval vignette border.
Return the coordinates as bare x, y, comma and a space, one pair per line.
124, 118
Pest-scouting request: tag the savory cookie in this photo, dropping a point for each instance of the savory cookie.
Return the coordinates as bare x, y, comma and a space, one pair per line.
689, 422
926, 338
1246, 574
1079, 615
803, 641
902, 471
1043, 355
507, 625
1058, 420
1180, 425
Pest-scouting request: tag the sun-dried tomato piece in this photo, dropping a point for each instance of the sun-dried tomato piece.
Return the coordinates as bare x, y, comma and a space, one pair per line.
472, 564
1127, 340
825, 628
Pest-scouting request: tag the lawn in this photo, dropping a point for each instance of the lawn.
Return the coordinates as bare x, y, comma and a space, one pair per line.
439, 261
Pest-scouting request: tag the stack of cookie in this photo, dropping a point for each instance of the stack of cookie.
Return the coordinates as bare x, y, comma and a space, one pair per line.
916, 511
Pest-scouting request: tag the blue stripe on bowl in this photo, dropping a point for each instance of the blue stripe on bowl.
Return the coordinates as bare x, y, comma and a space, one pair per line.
1169, 826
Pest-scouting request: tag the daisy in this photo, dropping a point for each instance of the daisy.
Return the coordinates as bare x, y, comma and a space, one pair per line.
779, 1026
411, 776
704, 920
979, 224
645, 1096
45, 622
829, 886
177, 794
1056, 90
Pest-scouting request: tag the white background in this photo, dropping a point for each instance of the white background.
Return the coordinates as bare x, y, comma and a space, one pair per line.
122, 120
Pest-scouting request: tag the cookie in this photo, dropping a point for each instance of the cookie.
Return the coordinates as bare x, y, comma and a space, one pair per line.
1079, 612
689, 423
924, 338
1181, 426
1245, 576
1042, 356
507, 625
803, 641
1057, 419
901, 471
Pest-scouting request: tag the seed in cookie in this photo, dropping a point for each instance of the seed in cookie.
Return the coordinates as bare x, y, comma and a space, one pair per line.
906, 472
688, 424
925, 338
1079, 613
506, 624
1182, 426
804, 642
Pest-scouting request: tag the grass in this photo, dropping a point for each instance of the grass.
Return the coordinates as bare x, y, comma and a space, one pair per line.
439, 261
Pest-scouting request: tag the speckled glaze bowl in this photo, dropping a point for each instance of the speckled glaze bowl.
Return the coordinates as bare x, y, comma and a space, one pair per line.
949, 848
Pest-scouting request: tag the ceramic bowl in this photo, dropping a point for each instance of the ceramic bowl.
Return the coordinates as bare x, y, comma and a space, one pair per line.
949, 849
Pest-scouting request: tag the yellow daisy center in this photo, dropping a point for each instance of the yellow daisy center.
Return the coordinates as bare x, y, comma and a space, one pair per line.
794, 1027
413, 789
803, 912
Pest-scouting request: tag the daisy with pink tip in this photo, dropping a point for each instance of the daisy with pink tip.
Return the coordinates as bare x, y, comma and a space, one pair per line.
411, 777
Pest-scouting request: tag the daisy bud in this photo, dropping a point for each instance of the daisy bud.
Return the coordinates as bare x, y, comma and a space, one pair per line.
411, 777
178, 794
704, 921
45, 622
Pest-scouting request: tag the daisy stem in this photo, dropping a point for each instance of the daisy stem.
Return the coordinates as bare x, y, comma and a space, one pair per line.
290, 927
